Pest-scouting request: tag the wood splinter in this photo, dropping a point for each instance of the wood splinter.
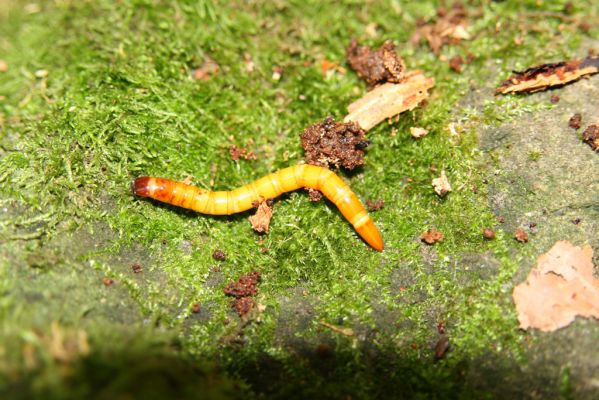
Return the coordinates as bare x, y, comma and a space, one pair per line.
388, 100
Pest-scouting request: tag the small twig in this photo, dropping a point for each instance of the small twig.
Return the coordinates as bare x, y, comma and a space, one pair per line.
344, 331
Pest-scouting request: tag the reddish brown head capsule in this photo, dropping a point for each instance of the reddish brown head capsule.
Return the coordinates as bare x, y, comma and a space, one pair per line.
139, 187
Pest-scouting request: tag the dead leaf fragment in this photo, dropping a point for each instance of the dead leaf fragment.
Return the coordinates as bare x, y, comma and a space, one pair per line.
261, 220
418, 132
441, 184
431, 236
388, 100
448, 28
544, 76
206, 71
558, 289
520, 235
376, 66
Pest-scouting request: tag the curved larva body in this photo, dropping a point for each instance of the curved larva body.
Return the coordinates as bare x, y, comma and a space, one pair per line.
268, 187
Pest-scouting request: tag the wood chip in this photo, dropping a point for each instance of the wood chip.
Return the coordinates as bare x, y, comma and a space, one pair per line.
558, 289
389, 99
544, 76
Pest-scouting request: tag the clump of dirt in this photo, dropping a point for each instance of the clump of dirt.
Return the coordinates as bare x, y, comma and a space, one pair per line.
591, 136
243, 291
219, 255
375, 205
456, 63
239, 152
137, 268
488, 233
376, 66
575, 121
331, 143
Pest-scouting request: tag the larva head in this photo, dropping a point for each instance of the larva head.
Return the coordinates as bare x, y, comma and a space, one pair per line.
141, 186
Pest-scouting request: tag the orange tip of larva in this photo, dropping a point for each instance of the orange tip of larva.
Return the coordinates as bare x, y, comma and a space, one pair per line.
371, 235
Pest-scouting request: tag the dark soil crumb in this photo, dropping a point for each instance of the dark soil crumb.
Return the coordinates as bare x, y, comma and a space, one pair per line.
107, 281
591, 136
576, 221
245, 285
554, 99
520, 235
376, 67
431, 236
456, 63
488, 233
237, 153
441, 347
243, 290
323, 351
313, 194
137, 268
375, 205
243, 305
334, 143
575, 121
441, 327
196, 308
219, 255
500, 219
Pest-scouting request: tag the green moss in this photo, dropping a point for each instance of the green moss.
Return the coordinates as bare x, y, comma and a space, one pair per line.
118, 101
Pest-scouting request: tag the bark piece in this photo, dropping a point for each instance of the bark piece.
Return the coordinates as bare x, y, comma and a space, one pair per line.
544, 76
558, 289
591, 136
387, 100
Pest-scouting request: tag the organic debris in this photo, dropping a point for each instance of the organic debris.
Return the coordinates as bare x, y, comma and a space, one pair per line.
456, 63
418, 132
389, 100
219, 255
558, 289
196, 308
544, 76
520, 235
240, 152
554, 99
449, 28
376, 67
431, 236
261, 220
575, 121
3, 66
344, 331
137, 268
314, 195
591, 136
441, 185
375, 205
334, 143
277, 73
206, 71
488, 233
441, 347
107, 281
243, 291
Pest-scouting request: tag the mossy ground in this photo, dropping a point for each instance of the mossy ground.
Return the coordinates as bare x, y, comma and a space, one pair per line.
117, 100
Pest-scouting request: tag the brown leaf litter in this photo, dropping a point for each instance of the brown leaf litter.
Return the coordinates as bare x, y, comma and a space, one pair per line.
431, 236
261, 219
208, 69
441, 185
376, 66
544, 76
448, 28
339, 144
560, 288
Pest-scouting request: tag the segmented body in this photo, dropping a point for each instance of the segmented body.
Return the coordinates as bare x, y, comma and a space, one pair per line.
268, 187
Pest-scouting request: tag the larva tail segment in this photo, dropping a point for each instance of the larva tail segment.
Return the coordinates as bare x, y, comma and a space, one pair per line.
371, 235
140, 186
